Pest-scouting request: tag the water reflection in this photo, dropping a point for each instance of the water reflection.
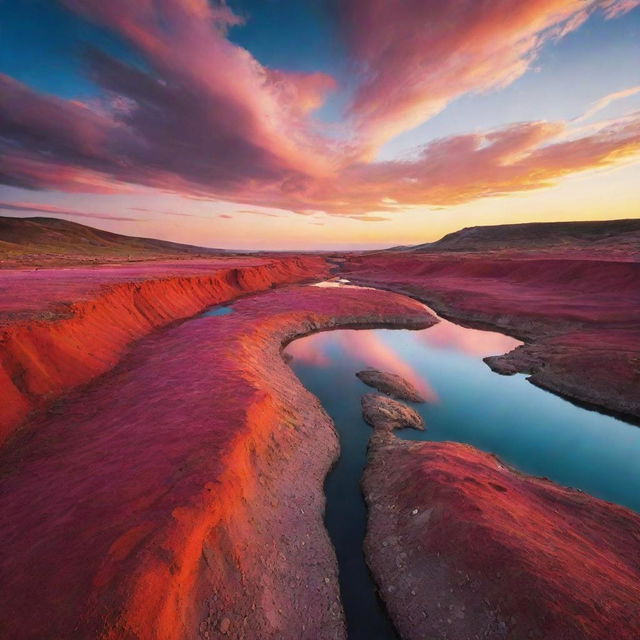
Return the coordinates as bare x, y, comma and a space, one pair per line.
529, 428
473, 342
367, 349
217, 311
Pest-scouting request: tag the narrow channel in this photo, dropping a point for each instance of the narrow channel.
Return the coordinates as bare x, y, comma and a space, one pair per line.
529, 428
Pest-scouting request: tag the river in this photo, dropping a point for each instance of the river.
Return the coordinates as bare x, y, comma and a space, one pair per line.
529, 428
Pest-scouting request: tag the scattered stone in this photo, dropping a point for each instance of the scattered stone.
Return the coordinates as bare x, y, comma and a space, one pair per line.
224, 625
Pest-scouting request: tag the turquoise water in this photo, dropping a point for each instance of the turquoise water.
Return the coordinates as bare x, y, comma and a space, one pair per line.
529, 428
217, 311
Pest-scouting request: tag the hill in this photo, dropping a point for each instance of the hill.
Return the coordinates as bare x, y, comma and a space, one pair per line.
615, 234
40, 240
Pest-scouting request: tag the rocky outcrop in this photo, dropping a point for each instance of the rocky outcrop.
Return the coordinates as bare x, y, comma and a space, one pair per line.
388, 414
464, 547
577, 314
391, 384
180, 495
60, 328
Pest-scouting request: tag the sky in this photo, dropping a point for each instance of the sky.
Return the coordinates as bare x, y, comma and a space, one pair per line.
319, 124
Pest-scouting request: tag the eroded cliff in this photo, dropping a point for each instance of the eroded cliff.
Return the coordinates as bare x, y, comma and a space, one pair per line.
180, 494
62, 327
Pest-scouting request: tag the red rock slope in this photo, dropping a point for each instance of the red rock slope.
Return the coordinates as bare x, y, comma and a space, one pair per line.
180, 494
59, 328
579, 316
464, 548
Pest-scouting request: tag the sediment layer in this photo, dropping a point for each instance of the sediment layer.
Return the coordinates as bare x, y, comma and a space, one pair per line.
180, 495
463, 547
579, 316
62, 327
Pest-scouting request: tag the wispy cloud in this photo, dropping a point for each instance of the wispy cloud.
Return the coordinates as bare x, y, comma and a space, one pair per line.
180, 214
255, 212
418, 55
615, 8
604, 102
368, 218
53, 210
457, 169
239, 131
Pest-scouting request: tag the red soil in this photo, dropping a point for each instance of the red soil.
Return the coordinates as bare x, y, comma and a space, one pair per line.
581, 316
62, 327
29, 294
463, 547
180, 494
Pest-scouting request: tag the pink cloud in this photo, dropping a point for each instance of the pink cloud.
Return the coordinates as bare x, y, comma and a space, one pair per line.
44, 170
243, 111
458, 169
186, 125
238, 131
605, 101
48, 209
419, 55
167, 213
615, 8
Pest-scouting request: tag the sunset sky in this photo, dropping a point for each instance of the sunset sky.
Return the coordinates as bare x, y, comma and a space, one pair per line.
274, 124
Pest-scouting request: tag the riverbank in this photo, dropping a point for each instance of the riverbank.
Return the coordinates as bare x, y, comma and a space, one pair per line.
464, 547
62, 327
578, 315
181, 493
533, 430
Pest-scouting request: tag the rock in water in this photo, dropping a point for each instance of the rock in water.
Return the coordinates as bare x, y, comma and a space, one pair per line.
387, 414
390, 384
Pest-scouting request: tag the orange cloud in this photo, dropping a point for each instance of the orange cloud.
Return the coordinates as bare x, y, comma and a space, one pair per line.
47, 209
239, 131
459, 169
419, 55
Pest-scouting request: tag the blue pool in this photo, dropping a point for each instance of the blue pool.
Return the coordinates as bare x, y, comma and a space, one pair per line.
529, 428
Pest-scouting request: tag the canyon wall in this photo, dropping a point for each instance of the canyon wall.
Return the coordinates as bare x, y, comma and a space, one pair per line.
180, 495
62, 327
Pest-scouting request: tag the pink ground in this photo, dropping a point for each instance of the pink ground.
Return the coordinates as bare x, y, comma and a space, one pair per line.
25, 293
184, 487
476, 550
